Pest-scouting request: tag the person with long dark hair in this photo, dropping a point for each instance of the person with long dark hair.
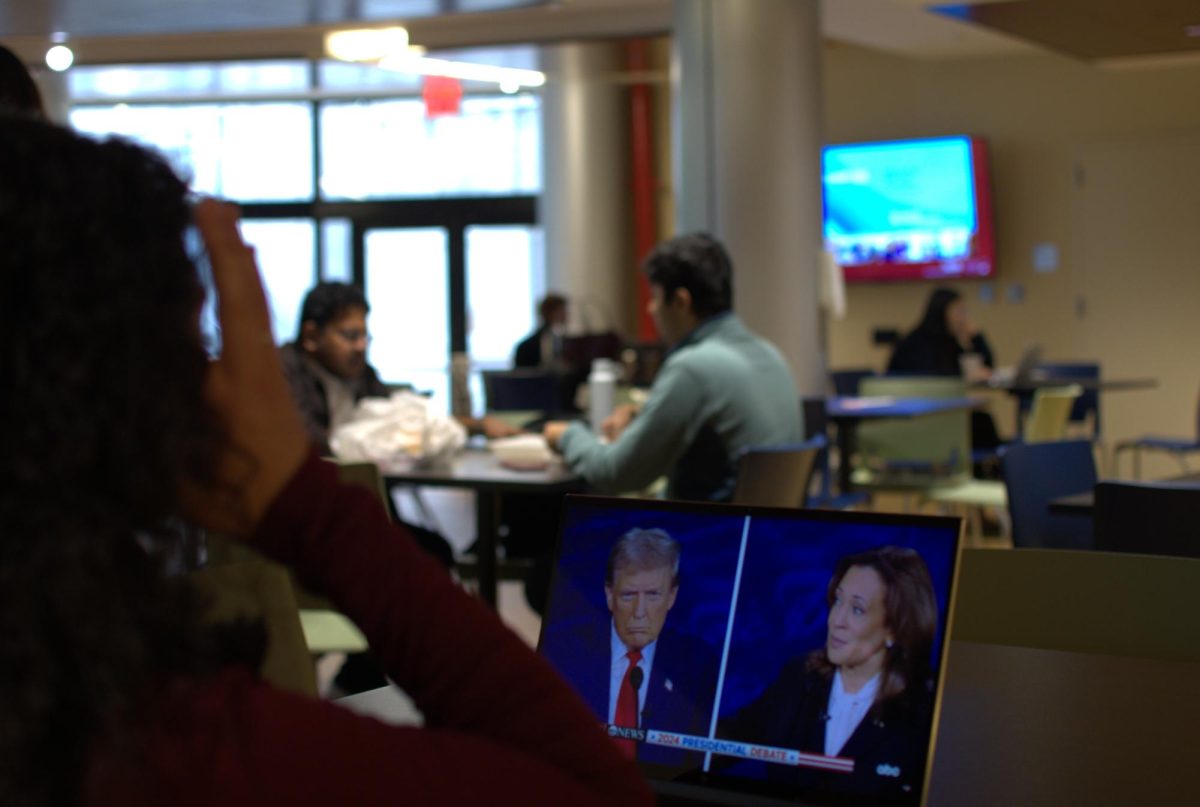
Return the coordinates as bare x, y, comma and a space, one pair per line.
18, 91
115, 691
947, 342
866, 693
945, 334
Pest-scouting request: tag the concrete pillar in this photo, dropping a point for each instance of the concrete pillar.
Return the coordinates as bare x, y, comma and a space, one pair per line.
56, 95
747, 135
585, 184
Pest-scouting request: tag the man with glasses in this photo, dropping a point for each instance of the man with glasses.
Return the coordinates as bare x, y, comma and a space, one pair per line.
327, 369
327, 364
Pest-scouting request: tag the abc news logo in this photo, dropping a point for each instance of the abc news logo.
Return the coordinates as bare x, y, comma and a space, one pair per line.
623, 733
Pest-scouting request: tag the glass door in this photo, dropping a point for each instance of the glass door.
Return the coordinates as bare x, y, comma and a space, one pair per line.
406, 277
505, 280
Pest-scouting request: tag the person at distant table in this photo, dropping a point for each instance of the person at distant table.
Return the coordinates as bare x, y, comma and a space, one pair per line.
721, 388
947, 342
944, 342
327, 369
543, 347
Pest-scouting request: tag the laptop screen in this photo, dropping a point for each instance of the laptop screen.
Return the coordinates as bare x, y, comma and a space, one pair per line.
742, 654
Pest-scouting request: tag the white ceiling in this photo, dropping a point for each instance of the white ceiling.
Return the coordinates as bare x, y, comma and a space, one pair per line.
149, 30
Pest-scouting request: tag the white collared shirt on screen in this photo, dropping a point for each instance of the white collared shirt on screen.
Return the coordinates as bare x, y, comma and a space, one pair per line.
620, 666
846, 711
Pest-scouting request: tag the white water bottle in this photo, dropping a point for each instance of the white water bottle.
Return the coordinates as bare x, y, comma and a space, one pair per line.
602, 392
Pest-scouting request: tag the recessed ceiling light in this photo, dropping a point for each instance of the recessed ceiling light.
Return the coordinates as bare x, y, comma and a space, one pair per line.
59, 58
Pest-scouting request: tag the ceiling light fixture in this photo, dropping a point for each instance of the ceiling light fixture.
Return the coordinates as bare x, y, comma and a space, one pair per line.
388, 48
465, 71
366, 44
59, 58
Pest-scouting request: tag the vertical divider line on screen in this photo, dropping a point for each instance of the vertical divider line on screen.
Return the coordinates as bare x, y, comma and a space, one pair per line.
737, 585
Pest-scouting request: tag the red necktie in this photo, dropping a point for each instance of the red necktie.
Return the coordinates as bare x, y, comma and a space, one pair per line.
627, 704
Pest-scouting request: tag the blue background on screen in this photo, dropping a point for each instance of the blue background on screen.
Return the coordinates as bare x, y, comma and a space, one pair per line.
897, 187
708, 559
781, 611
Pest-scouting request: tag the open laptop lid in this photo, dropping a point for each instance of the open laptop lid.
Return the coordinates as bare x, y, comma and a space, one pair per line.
739, 656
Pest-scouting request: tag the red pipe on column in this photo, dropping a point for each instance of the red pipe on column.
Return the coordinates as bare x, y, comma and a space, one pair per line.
642, 178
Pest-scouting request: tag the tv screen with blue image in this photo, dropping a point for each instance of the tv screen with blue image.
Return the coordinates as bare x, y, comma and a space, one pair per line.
909, 209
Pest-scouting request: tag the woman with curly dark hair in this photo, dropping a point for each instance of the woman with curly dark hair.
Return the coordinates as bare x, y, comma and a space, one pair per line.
118, 423
18, 91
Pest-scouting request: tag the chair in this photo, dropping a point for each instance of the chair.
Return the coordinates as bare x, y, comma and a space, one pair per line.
1081, 602
254, 588
1147, 518
326, 630
1086, 409
1047, 421
1178, 447
816, 424
1051, 410
776, 476
915, 454
1036, 473
522, 390
846, 382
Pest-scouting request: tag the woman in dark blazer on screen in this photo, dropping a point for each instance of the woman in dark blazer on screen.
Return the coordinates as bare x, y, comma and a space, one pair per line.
864, 695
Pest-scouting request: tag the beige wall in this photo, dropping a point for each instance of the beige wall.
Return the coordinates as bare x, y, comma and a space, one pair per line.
1051, 121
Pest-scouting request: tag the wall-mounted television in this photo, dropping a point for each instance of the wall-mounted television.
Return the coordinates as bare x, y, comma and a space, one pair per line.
909, 209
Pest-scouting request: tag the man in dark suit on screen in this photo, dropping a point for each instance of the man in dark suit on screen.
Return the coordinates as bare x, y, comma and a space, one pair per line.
655, 678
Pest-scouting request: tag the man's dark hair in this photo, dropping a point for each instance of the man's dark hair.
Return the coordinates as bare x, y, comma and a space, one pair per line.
551, 304
698, 263
325, 302
18, 92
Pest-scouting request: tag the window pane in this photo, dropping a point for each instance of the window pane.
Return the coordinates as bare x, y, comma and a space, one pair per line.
389, 148
505, 278
407, 287
335, 235
286, 252
248, 152
160, 80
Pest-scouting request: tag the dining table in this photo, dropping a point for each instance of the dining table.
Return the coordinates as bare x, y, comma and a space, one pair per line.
478, 469
1084, 502
846, 412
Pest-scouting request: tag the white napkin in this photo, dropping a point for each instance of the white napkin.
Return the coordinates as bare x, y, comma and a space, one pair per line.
524, 451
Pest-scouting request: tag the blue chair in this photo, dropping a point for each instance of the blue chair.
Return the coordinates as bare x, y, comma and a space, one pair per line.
845, 382
1036, 473
1148, 518
816, 424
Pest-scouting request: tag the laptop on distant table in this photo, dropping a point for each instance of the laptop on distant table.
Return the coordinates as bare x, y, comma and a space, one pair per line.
757, 656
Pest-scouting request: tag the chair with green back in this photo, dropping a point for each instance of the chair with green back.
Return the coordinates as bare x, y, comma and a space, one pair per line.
1047, 422
914, 454
254, 588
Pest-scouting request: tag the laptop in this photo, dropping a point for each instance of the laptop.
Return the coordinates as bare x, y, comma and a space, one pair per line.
1025, 371
757, 656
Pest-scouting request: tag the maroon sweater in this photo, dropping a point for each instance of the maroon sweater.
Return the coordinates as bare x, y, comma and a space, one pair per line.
501, 727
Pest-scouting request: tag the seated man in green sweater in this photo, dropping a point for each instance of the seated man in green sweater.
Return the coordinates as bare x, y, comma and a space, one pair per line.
721, 389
